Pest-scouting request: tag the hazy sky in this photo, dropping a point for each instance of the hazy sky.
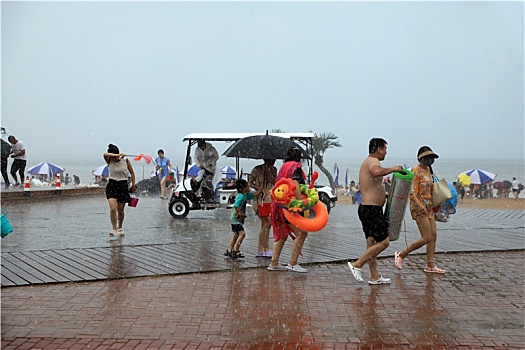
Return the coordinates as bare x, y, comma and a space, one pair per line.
77, 76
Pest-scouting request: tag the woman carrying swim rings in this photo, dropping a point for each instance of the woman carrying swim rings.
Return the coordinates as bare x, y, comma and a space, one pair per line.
291, 169
421, 211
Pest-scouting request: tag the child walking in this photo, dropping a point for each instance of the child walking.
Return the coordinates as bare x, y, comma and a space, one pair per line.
237, 219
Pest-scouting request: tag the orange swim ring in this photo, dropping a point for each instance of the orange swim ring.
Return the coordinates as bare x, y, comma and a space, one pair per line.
310, 225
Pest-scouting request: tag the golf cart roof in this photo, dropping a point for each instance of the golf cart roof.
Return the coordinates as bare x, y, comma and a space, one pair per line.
234, 136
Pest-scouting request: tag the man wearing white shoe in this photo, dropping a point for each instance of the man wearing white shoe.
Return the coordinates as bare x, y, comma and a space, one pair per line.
370, 210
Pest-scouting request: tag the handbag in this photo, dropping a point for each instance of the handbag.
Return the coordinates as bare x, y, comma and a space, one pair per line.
440, 192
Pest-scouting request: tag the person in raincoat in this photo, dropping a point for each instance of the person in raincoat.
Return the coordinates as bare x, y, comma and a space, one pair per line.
206, 157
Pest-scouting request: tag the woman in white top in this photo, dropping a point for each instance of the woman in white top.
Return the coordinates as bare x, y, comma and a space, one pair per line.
117, 191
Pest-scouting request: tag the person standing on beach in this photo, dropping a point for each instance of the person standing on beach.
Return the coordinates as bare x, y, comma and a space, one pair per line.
18, 153
421, 211
515, 188
370, 210
117, 189
163, 167
291, 169
262, 179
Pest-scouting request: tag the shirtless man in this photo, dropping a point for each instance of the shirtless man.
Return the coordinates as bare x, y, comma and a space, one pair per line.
370, 211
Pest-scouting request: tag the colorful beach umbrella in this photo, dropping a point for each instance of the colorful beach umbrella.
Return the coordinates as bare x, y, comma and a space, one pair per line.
464, 180
228, 172
101, 171
46, 168
478, 176
193, 170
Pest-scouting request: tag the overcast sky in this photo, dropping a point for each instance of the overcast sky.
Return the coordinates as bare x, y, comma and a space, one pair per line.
77, 76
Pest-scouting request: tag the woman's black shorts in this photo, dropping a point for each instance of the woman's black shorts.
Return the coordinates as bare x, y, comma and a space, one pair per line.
374, 222
118, 190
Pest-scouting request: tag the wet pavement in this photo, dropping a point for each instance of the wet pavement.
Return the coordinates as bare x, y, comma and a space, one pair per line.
478, 304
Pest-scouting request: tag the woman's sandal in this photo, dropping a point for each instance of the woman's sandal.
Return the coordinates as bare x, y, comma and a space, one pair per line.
398, 261
434, 269
112, 233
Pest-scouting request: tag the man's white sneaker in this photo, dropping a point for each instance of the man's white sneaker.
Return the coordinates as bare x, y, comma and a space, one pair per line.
356, 272
296, 268
381, 280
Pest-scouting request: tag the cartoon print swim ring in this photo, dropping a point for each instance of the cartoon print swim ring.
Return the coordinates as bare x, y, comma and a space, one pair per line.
296, 210
283, 193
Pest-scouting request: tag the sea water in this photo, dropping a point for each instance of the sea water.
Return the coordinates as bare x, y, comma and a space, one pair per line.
505, 169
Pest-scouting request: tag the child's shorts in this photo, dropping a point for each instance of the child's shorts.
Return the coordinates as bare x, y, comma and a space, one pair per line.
237, 228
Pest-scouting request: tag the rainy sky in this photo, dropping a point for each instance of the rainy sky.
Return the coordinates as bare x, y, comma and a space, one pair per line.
79, 75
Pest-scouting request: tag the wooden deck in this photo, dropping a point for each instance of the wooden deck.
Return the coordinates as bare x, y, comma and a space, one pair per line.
125, 261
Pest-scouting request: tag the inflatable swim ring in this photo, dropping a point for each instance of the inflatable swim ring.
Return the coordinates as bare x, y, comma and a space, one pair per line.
310, 225
283, 193
297, 210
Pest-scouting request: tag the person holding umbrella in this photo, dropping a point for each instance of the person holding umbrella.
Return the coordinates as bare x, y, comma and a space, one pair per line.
117, 191
421, 211
262, 179
6, 151
291, 169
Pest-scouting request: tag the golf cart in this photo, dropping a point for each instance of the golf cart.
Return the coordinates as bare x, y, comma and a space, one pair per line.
188, 195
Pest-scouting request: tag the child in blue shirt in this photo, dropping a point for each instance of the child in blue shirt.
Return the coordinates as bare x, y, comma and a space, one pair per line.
237, 219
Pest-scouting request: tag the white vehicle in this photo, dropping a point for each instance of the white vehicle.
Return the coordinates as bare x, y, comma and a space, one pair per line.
185, 195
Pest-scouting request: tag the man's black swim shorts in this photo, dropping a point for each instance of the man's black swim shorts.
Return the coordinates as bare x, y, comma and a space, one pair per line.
374, 222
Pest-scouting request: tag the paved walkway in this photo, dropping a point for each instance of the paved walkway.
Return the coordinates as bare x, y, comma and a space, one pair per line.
478, 304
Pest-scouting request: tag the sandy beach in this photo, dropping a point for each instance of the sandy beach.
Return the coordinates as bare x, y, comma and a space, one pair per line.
489, 203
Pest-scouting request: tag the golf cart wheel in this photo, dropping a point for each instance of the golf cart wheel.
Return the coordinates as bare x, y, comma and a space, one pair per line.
326, 200
179, 208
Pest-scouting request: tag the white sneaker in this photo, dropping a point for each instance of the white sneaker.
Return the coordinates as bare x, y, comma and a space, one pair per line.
381, 280
296, 268
356, 272
276, 268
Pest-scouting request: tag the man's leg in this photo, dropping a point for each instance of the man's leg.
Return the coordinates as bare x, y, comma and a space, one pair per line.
4, 172
14, 170
21, 170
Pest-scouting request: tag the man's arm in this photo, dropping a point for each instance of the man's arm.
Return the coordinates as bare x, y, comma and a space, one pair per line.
377, 170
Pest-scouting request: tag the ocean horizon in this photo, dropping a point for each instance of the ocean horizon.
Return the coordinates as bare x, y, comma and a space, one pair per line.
505, 169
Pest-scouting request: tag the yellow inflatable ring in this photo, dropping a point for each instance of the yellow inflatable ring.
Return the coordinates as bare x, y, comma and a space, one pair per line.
310, 225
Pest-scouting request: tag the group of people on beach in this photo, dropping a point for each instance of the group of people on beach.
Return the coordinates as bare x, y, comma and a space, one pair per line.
262, 179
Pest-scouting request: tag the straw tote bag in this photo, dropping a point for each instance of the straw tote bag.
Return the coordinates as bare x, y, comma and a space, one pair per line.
440, 192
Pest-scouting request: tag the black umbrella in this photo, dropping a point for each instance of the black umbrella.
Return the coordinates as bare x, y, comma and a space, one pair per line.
6, 149
262, 147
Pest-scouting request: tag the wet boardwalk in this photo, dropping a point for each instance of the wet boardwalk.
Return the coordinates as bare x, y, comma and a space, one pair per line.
478, 304
204, 238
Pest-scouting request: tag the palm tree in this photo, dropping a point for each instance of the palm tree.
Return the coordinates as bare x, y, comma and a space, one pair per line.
321, 143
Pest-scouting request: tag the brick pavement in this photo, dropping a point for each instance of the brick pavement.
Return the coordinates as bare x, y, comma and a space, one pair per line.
478, 304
